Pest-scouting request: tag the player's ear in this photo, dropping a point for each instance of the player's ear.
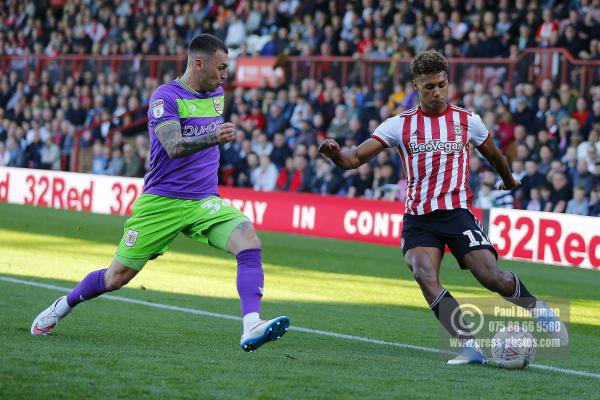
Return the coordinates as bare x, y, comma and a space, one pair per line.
198, 63
415, 86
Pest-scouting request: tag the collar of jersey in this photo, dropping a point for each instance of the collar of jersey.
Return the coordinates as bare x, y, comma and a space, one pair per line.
434, 115
186, 87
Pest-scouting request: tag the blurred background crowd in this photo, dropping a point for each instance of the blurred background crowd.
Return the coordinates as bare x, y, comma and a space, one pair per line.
549, 132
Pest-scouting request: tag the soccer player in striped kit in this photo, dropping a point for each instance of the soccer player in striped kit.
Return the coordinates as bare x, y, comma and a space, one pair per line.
433, 141
181, 195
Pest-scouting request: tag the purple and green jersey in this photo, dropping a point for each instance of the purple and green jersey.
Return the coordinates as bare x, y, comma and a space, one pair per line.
191, 177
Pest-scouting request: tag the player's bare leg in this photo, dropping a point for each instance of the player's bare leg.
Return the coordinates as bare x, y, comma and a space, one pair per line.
93, 285
246, 246
425, 264
484, 267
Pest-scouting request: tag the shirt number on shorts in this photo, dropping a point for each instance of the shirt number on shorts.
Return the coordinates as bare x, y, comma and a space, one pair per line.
214, 205
474, 242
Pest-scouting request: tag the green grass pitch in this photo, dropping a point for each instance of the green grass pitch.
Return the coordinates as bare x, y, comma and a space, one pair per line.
114, 349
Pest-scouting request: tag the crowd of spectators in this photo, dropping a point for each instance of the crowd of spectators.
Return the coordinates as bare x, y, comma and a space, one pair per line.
475, 28
550, 137
549, 133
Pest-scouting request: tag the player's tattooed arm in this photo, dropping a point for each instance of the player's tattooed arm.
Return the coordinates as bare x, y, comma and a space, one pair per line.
176, 145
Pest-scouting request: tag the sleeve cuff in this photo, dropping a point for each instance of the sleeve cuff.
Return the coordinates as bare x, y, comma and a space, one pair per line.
380, 140
484, 139
165, 123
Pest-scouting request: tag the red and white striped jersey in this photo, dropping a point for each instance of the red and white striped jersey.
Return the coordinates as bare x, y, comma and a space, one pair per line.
435, 155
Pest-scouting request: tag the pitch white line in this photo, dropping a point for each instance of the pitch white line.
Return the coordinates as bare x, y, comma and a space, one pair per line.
296, 328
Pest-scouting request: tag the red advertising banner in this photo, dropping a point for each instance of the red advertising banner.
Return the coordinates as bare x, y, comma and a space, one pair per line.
336, 217
256, 71
328, 216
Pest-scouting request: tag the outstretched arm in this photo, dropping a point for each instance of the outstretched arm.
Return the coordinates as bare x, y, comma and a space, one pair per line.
350, 158
499, 163
177, 146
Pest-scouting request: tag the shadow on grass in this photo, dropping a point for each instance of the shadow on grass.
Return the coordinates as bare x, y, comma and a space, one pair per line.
113, 349
383, 322
392, 323
301, 252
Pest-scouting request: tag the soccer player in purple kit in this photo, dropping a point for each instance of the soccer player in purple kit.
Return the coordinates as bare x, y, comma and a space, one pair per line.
181, 195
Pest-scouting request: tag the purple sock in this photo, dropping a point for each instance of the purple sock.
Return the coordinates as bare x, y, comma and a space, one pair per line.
91, 286
250, 280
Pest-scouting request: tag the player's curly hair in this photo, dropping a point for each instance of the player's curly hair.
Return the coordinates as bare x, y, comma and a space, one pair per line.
428, 62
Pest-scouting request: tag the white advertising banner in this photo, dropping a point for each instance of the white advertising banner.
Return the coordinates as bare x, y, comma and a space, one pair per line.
69, 191
550, 238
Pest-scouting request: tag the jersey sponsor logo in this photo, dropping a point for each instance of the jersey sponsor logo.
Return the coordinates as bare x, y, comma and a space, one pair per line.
218, 102
131, 237
158, 108
197, 130
436, 145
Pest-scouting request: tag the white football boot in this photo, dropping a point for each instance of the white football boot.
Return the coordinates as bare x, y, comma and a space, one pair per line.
471, 353
264, 331
45, 322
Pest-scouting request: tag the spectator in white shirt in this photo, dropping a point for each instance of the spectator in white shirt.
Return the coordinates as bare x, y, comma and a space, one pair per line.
265, 176
579, 204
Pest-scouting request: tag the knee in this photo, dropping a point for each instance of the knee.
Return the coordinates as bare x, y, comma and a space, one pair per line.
248, 242
253, 242
425, 277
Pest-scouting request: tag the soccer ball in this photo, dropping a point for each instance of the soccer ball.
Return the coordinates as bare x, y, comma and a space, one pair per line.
513, 348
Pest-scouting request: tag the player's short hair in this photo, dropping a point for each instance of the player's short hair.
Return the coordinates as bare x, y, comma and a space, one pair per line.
428, 62
206, 44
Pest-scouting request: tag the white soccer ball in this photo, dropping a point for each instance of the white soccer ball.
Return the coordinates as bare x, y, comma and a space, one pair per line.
513, 348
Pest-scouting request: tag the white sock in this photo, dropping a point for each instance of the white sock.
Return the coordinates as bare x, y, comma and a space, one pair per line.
62, 307
250, 320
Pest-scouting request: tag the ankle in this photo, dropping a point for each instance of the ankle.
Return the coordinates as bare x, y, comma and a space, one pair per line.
62, 307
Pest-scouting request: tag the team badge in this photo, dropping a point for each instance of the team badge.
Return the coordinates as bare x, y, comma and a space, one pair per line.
131, 238
218, 102
458, 130
158, 108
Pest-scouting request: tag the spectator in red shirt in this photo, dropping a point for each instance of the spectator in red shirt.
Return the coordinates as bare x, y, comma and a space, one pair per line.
259, 121
295, 177
546, 28
366, 41
506, 128
581, 114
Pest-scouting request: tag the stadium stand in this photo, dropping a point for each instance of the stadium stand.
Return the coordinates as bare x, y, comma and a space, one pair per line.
77, 75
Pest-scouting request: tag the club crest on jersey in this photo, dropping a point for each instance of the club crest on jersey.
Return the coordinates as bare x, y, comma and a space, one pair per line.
415, 133
158, 108
131, 238
218, 102
458, 130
